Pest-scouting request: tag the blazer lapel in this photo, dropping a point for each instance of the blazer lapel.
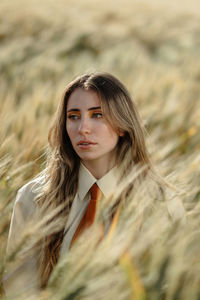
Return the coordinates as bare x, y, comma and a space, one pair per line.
77, 211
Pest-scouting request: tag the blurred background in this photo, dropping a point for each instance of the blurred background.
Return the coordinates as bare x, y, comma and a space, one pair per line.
152, 46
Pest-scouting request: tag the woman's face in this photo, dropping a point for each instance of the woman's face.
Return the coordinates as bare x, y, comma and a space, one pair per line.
92, 137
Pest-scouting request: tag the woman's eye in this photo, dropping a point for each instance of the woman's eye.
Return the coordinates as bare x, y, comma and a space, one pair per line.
97, 115
73, 117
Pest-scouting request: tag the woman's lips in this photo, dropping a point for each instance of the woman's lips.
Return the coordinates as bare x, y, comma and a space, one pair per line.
86, 144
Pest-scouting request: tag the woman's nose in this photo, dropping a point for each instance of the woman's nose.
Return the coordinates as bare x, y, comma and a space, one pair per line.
84, 126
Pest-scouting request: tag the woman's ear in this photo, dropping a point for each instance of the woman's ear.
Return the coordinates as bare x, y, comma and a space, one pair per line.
120, 132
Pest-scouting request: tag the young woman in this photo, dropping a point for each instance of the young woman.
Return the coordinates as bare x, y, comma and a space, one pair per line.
97, 132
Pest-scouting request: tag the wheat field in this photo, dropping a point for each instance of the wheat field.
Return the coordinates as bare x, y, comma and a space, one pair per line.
153, 47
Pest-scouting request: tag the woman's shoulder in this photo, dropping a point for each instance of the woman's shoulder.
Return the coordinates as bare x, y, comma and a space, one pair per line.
27, 194
33, 185
172, 197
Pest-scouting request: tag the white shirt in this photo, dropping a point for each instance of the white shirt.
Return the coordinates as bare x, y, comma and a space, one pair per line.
107, 185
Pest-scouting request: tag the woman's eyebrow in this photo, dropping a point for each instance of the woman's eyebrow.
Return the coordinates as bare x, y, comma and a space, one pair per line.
73, 109
91, 108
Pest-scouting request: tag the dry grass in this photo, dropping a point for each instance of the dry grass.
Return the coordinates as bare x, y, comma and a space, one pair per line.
153, 47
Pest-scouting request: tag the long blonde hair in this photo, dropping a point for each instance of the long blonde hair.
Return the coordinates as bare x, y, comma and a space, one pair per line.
61, 173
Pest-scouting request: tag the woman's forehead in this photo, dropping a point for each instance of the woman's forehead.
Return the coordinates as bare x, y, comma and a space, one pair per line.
83, 99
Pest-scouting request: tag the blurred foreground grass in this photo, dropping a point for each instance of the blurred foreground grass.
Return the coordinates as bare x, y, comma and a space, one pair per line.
154, 49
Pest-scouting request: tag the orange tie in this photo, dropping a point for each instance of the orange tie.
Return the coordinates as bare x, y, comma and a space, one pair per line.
89, 215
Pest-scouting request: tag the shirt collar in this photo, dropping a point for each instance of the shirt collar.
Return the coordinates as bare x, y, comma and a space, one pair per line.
107, 183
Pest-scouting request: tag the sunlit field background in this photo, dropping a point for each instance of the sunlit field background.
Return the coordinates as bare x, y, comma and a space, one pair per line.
153, 47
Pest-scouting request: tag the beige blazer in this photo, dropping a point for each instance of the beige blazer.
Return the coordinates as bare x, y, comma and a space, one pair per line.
24, 278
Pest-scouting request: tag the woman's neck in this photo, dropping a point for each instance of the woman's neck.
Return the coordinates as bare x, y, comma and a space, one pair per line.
98, 168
